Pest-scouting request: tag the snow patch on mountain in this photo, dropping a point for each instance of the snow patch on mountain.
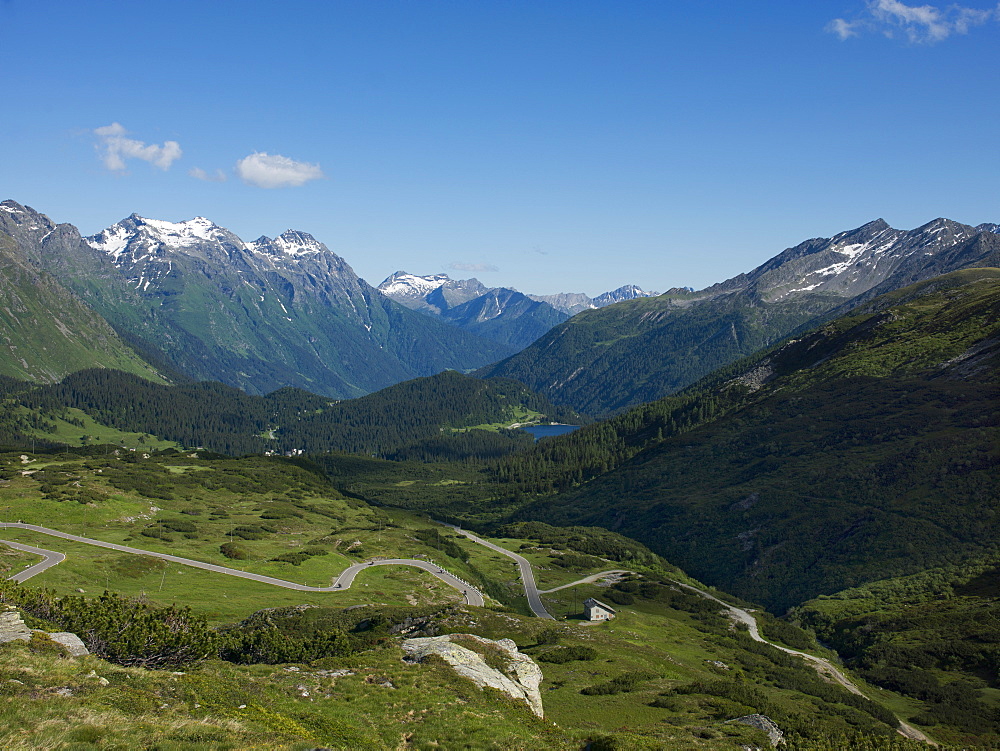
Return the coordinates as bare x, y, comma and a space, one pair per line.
402, 283
137, 233
289, 243
182, 234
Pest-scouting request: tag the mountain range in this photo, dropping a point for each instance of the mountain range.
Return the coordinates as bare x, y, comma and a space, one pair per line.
192, 301
793, 435
197, 300
498, 313
862, 449
603, 361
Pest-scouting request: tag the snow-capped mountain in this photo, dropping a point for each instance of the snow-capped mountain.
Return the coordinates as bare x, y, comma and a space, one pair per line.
853, 262
514, 318
404, 285
503, 315
275, 312
627, 292
435, 293
576, 302
438, 292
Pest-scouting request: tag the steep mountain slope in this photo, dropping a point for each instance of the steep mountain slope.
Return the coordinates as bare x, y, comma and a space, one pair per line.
501, 315
282, 311
866, 448
47, 332
603, 361
506, 316
934, 636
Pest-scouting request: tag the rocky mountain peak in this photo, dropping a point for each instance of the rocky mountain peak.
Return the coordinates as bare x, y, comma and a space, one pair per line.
626, 292
292, 243
403, 283
15, 218
137, 237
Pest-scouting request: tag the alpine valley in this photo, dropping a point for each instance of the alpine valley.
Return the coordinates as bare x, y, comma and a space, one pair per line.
248, 500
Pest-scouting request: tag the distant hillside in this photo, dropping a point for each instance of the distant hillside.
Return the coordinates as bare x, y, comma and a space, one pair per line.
603, 361
427, 418
864, 449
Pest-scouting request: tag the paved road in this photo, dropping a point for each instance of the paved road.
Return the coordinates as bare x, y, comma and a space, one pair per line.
52, 558
527, 575
342, 582
585, 580
822, 666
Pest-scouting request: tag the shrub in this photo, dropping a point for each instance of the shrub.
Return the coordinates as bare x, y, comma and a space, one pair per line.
621, 684
561, 655
234, 551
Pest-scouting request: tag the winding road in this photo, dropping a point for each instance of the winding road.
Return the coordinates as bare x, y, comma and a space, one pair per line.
523, 564
472, 595
52, 558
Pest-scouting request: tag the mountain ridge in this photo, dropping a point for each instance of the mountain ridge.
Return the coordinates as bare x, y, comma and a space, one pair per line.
604, 361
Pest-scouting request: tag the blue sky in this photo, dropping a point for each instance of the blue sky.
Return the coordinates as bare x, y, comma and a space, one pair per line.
549, 146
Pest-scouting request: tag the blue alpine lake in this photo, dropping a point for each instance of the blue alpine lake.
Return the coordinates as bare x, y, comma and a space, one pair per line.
544, 431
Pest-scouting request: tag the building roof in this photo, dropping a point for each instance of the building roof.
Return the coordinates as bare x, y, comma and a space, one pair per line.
592, 601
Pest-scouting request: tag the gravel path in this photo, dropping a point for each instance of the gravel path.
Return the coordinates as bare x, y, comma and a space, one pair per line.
823, 667
585, 580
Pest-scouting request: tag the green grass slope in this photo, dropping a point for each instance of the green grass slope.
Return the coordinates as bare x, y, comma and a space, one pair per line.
47, 332
670, 671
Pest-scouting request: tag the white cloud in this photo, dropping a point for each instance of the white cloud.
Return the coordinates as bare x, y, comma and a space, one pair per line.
275, 171
215, 177
458, 266
920, 23
843, 29
116, 148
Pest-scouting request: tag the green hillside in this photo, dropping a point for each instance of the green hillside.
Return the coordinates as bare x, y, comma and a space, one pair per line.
606, 360
933, 636
863, 449
670, 671
446, 416
47, 332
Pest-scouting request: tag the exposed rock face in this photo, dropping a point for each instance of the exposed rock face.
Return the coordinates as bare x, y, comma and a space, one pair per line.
12, 628
519, 680
765, 723
71, 643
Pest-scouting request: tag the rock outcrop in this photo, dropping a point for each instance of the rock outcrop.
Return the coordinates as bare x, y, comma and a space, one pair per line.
12, 628
765, 723
519, 678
